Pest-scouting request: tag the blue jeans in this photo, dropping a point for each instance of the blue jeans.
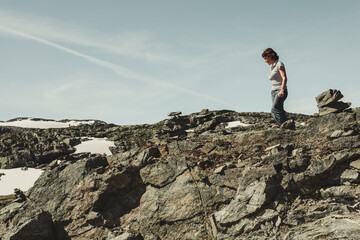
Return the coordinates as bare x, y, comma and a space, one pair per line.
277, 108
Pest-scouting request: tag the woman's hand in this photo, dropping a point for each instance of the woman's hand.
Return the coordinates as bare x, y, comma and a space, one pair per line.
281, 94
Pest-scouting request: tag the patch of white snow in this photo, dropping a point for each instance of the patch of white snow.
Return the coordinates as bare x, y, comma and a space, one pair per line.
17, 178
30, 123
236, 124
95, 145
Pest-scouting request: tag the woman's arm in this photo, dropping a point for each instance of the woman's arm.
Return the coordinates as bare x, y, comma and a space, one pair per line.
284, 81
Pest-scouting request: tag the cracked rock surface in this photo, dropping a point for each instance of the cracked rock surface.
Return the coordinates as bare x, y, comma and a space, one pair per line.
190, 177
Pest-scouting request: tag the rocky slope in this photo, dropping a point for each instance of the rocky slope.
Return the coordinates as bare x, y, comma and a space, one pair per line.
190, 177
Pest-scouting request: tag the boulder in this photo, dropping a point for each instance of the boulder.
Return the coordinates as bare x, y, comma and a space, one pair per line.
174, 114
247, 201
328, 102
335, 226
38, 227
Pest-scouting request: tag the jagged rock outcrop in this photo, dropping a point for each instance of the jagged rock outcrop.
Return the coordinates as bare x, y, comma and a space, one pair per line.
192, 177
40, 226
33, 147
328, 102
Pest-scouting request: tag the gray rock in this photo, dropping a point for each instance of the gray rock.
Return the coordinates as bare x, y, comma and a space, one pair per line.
10, 210
174, 114
206, 126
38, 227
341, 193
270, 149
328, 97
128, 235
163, 173
220, 170
289, 124
95, 218
334, 108
349, 175
182, 146
247, 201
355, 164
245, 225
144, 157
317, 168
287, 181
337, 133
349, 133
20, 196
331, 227
204, 112
328, 102
347, 142
178, 201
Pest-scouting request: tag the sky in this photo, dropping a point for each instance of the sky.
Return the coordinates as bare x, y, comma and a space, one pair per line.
135, 61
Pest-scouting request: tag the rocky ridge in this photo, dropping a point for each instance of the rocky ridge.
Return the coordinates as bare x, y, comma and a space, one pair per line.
190, 177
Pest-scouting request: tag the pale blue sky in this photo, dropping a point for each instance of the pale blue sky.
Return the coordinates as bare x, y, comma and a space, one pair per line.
134, 61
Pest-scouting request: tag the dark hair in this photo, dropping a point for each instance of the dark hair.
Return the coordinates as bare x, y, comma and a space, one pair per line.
269, 52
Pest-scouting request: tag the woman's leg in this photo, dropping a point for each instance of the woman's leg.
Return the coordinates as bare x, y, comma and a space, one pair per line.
277, 109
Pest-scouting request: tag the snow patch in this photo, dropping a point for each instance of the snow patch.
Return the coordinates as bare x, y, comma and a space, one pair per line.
237, 124
17, 178
95, 145
42, 124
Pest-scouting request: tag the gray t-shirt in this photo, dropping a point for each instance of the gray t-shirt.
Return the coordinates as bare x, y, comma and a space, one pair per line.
275, 77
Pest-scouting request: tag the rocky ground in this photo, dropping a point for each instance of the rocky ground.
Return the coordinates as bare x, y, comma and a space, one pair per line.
190, 177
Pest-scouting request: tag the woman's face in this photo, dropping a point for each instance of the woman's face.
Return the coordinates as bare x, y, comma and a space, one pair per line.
268, 60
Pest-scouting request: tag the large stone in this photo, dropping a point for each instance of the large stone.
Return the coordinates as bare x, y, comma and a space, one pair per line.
38, 227
355, 164
63, 181
10, 210
328, 102
171, 205
164, 172
330, 227
334, 108
318, 168
174, 114
328, 97
341, 193
349, 175
177, 201
246, 202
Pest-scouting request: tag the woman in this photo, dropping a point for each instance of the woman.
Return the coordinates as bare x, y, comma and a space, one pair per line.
278, 90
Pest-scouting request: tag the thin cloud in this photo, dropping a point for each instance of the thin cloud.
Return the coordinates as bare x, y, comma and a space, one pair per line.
135, 44
122, 71
64, 87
